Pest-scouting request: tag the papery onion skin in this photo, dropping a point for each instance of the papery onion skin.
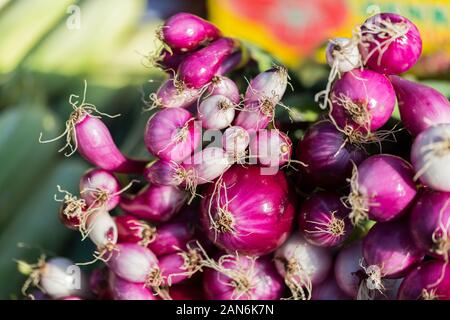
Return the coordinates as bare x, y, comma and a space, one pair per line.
132, 262
390, 246
170, 96
272, 148
185, 31
323, 220
400, 55
261, 211
369, 91
224, 86
122, 289
430, 220
343, 54
264, 284
328, 157
386, 184
315, 261
155, 203
432, 276
103, 181
96, 145
328, 290
199, 68
430, 157
172, 134
347, 269
420, 106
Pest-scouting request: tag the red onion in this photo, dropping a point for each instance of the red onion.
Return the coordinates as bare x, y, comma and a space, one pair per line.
381, 189
206, 166
98, 283
100, 188
167, 60
248, 212
102, 230
362, 101
132, 230
327, 155
347, 269
155, 203
216, 112
179, 266
166, 173
420, 106
262, 96
430, 156
272, 148
185, 32
73, 211
187, 290
302, 265
235, 141
323, 220
124, 290
234, 61
221, 85
172, 134
199, 68
328, 290
172, 236
390, 43
242, 278
429, 223
429, 281
173, 94
389, 252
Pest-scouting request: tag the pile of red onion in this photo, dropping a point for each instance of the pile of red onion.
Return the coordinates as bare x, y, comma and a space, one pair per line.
246, 217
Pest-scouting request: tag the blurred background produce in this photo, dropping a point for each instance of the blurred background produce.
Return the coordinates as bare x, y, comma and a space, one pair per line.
47, 49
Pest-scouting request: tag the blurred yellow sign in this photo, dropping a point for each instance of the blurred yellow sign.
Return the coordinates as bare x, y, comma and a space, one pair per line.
295, 29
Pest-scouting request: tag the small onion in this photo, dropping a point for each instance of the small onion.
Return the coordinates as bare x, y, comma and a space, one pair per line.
323, 220
362, 101
343, 54
420, 106
102, 229
132, 230
429, 223
429, 281
155, 203
390, 43
242, 278
166, 173
172, 236
216, 112
124, 290
327, 154
173, 94
99, 187
248, 211
235, 141
302, 265
381, 189
221, 85
179, 266
328, 290
172, 134
272, 148
430, 156
347, 269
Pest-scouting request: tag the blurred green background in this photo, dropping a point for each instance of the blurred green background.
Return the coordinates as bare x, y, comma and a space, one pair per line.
47, 49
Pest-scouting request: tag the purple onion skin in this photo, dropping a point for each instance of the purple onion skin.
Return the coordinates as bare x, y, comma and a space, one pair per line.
200, 67
328, 163
420, 106
125, 290
100, 179
169, 96
96, 145
162, 172
369, 90
387, 185
186, 32
170, 236
266, 284
132, 262
130, 229
161, 132
328, 290
316, 218
432, 276
170, 61
390, 246
347, 269
261, 211
171, 266
272, 148
430, 214
401, 54
155, 203
233, 62
224, 86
